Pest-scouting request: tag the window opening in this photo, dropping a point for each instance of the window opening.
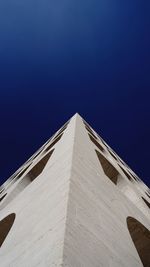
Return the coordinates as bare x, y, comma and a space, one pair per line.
108, 168
27, 179
1, 198
141, 239
96, 143
126, 173
146, 202
5, 226
53, 143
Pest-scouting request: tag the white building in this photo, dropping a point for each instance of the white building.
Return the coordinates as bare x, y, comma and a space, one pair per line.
74, 203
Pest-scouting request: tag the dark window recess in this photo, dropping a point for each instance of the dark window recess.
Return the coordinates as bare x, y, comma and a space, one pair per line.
53, 137
2, 189
147, 194
113, 155
61, 131
23, 171
38, 168
146, 202
108, 168
133, 176
27, 179
141, 238
102, 140
126, 173
89, 129
1, 198
37, 154
5, 226
96, 143
91, 132
53, 143
7, 183
86, 124
104, 143
123, 163
65, 125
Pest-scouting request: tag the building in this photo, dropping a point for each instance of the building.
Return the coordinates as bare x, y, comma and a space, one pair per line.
74, 203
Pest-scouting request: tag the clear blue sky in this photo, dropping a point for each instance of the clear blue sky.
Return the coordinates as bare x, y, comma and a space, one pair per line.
62, 57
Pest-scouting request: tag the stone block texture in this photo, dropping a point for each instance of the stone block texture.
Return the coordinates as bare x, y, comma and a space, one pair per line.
74, 203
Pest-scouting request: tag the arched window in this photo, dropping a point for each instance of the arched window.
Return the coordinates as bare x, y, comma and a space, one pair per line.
96, 143
5, 226
141, 238
146, 202
27, 179
110, 171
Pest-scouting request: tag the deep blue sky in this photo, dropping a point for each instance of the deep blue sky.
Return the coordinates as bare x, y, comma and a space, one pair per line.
59, 57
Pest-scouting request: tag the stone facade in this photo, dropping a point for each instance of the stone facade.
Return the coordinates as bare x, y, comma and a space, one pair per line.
74, 203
